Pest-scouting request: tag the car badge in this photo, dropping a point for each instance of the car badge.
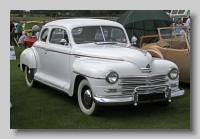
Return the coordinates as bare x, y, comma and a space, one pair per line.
148, 66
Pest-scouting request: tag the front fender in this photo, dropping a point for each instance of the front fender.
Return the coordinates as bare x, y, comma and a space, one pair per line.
27, 57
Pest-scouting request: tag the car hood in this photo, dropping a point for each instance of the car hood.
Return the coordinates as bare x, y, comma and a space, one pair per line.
115, 52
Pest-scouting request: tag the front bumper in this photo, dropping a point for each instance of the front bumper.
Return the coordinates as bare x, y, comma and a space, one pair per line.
134, 98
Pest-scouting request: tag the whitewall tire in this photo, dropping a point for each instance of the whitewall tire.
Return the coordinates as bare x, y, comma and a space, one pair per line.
29, 80
85, 99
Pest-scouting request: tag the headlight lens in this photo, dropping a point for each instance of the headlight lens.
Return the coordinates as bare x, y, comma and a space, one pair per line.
173, 73
112, 77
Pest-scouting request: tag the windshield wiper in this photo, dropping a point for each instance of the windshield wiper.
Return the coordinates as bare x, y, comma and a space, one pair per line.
99, 43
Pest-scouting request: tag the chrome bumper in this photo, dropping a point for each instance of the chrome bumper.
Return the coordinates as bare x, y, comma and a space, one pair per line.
127, 100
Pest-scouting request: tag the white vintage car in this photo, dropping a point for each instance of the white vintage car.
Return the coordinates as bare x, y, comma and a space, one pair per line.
95, 60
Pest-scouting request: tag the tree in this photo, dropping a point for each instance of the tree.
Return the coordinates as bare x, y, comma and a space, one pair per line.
53, 14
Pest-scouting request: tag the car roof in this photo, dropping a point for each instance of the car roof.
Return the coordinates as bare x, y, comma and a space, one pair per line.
78, 22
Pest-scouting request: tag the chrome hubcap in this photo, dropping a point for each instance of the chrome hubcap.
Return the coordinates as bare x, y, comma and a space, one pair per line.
87, 96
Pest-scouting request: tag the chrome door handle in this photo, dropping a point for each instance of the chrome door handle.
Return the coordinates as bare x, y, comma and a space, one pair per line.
185, 54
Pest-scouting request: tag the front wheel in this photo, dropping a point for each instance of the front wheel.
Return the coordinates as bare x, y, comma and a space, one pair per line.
85, 99
29, 78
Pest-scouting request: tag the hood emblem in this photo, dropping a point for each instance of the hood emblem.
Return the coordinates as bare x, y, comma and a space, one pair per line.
148, 66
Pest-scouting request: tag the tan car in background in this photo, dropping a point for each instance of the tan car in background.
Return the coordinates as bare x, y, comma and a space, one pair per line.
170, 43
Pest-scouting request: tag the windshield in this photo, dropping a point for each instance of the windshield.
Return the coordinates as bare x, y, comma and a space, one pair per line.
176, 37
98, 34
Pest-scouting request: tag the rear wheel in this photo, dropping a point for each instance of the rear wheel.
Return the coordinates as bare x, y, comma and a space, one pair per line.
29, 78
85, 99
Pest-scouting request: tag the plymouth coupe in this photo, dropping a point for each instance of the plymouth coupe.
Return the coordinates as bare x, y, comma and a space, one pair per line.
171, 43
94, 60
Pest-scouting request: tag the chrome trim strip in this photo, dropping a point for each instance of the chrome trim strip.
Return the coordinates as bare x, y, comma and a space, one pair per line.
140, 76
142, 82
89, 75
51, 50
145, 68
57, 51
119, 59
76, 54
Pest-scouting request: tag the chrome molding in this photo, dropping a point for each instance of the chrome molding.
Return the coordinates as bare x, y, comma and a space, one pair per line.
145, 68
140, 76
77, 54
89, 75
51, 50
101, 57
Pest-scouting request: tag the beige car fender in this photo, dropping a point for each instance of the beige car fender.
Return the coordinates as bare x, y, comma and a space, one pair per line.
155, 53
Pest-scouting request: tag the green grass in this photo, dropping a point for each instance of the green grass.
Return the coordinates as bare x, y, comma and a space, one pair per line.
46, 108
30, 24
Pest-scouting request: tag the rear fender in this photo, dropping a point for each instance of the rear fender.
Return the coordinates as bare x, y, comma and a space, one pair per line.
27, 58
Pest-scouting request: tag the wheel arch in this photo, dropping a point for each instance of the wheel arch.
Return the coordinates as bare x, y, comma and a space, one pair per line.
77, 81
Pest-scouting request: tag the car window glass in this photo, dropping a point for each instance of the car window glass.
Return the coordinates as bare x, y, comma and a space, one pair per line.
99, 36
57, 34
77, 31
118, 34
176, 38
91, 34
44, 35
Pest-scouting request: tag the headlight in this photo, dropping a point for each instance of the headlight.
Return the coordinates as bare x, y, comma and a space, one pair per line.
173, 73
112, 77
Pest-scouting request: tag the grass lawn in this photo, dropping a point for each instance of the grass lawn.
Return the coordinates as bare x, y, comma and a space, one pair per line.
46, 108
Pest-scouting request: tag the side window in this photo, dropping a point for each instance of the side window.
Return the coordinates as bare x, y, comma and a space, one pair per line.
57, 34
44, 35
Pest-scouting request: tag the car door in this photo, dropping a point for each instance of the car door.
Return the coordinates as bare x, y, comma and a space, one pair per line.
40, 48
57, 58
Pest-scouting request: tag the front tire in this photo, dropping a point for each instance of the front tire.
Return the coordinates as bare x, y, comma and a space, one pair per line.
29, 80
85, 99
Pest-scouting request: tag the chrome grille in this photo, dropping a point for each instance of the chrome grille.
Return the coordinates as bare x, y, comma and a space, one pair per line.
128, 84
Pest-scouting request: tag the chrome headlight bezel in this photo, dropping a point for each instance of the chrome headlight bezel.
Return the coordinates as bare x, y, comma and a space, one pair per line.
110, 74
173, 71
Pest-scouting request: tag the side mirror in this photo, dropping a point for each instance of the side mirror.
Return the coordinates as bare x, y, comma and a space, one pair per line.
63, 42
133, 40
